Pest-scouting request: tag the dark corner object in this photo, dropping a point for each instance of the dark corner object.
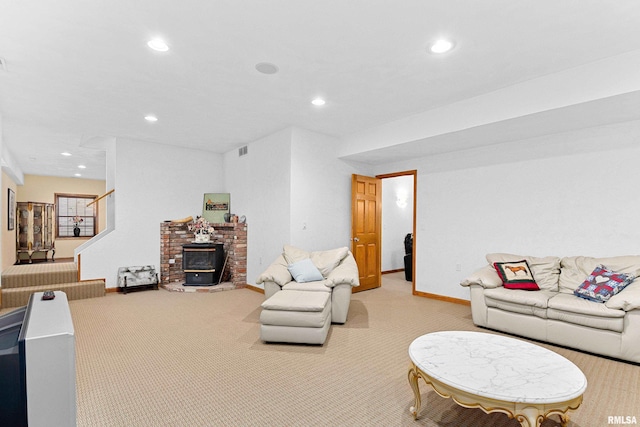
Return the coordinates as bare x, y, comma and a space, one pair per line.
202, 263
408, 257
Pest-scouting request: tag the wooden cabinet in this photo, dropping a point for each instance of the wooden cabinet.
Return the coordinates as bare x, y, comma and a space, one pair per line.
35, 230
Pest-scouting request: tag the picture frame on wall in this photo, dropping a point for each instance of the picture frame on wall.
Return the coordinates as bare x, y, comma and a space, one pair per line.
215, 206
11, 210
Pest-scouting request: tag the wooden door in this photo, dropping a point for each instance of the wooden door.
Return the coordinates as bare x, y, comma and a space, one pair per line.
366, 215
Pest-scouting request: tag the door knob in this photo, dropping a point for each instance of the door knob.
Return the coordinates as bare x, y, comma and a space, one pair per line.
355, 239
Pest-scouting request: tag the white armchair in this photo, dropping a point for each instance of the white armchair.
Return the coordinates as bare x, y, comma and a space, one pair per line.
338, 268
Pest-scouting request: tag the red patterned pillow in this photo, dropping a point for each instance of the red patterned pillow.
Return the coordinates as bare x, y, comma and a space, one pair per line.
516, 275
602, 284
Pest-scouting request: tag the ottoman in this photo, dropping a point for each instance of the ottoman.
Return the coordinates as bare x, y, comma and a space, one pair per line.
296, 317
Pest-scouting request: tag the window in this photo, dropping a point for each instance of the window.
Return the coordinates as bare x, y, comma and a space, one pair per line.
72, 212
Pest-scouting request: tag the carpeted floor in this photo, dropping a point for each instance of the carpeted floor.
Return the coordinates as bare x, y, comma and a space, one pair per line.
159, 358
19, 282
39, 274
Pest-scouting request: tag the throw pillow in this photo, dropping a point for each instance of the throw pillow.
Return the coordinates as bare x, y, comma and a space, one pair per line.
602, 284
326, 261
516, 275
546, 270
304, 271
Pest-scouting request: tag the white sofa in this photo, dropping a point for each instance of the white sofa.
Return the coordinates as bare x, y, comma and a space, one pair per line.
553, 313
341, 275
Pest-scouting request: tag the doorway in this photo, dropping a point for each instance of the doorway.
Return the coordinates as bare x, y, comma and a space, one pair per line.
366, 224
398, 221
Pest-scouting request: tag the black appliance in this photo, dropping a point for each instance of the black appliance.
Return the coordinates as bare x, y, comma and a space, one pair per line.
202, 263
408, 257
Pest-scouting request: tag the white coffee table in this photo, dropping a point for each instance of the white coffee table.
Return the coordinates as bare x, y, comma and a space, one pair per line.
496, 374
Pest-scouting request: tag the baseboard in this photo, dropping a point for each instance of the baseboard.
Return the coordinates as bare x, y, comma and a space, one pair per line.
442, 298
393, 271
91, 280
111, 290
254, 288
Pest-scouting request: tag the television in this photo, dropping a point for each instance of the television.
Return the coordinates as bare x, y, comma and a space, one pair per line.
12, 395
37, 364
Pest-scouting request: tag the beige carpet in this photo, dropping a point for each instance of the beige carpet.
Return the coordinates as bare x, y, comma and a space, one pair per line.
20, 281
39, 274
159, 358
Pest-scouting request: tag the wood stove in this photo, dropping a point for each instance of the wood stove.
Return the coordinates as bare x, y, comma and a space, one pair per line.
202, 263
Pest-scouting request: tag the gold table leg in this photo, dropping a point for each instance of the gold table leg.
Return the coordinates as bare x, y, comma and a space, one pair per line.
528, 415
413, 381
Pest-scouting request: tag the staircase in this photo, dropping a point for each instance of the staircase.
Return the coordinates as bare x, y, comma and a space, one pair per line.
20, 281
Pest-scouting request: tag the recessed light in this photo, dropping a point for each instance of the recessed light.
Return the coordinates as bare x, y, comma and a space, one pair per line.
441, 46
267, 68
318, 102
66, 154
158, 45
82, 167
77, 174
151, 118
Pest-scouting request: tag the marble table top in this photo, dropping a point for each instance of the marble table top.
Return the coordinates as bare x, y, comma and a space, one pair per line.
497, 367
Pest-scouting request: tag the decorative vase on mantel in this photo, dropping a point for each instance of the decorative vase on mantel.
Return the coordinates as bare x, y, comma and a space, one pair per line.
76, 231
202, 238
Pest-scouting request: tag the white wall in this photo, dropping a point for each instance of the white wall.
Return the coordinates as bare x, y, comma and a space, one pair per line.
287, 179
260, 187
293, 190
320, 193
566, 194
397, 220
154, 183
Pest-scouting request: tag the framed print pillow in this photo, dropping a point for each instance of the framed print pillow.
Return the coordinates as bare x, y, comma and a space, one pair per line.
602, 284
516, 275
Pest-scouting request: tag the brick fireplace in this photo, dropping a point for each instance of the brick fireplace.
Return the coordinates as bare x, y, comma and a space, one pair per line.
233, 237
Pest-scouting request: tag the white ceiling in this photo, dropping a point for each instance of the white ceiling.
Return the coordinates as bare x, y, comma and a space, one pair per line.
78, 69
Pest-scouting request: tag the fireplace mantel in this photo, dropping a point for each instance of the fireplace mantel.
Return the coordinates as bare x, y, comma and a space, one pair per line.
175, 234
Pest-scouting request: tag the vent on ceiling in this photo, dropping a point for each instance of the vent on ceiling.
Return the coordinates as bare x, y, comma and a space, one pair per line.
243, 151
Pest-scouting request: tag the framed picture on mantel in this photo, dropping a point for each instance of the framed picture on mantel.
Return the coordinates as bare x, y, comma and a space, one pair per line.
215, 206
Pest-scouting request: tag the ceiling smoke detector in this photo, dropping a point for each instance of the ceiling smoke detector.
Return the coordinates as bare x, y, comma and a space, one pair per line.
267, 68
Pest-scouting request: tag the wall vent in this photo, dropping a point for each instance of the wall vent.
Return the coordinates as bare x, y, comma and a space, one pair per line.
243, 151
